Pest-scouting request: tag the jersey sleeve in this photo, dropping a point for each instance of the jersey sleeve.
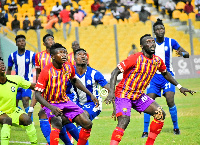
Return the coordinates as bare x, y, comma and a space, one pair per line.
127, 63
42, 80
23, 83
37, 61
162, 67
10, 61
175, 45
98, 77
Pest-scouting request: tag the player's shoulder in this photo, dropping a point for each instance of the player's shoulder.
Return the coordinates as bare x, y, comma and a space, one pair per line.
157, 57
135, 56
38, 53
14, 78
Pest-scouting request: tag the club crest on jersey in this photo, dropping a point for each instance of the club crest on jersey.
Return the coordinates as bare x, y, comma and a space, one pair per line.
89, 82
13, 89
166, 48
27, 60
124, 109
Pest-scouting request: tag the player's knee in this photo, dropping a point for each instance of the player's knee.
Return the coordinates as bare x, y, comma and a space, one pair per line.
88, 125
123, 121
7, 120
159, 114
25, 101
56, 122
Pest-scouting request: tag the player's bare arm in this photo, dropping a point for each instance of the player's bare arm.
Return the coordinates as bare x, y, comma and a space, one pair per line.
113, 80
9, 70
182, 52
169, 77
55, 110
76, 82
38, 70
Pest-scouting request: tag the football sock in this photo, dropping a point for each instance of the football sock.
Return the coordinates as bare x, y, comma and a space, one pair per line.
173, 112
79, 129
54, 136
72, 129
31, 132
5, 134
45, 128
146, 122
83, 136
117, 136
64, 137
26, 110
155, 129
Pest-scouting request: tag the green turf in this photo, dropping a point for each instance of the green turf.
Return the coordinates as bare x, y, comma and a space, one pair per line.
188, 117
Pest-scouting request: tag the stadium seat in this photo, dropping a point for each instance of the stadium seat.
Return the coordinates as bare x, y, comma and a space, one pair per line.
75, 24
176, 14
112, 21
149, 1
180, 5
183, 17
192, 16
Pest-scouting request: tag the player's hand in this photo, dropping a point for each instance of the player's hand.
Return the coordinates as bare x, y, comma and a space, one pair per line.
30, 114
114, 111
95, 100
56, 111
184, 90
109, 98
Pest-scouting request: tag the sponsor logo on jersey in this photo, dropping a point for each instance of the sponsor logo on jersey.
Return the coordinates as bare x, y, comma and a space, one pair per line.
13, 89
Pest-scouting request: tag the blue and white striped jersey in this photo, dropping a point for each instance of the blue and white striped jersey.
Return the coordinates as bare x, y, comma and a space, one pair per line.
90, 79
23, 64
164, 51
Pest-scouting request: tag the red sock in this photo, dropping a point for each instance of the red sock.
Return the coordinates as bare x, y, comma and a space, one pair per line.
117, 136
70, 137
155, 129
83, 136
54, 136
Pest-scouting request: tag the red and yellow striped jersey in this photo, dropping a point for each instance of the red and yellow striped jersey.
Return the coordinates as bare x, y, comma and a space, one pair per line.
138, 71
52, 82
42, 59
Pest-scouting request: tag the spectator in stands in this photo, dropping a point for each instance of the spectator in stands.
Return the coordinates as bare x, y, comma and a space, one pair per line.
144, 15
13, 8
72, 12
112, 5
40, 8
162, 4
188, 7
57, 8
198, 15
197, 3
26, 24
136, 7
125, 14
96, 19
3, 20
115, 13
66, 3
78, 16
102, 8
21, 2
5, 13
51, 24
36, 2
82, 11
37, 23
156, 4
95, 6
65, 17
133, 50
15, 25
119, 7
170, 6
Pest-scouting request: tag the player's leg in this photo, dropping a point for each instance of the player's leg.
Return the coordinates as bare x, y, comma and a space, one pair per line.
147, 118
6, 121
44, 125
26, 96
64, 136
156, 125
26, 121
173, 111
123, 113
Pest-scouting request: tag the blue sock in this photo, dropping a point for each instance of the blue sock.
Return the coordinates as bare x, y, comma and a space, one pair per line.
79, 129
146, 122
26, 110
46, 129
71, 128
64, 137
173, 112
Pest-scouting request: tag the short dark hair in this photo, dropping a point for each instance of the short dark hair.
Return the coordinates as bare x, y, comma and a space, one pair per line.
19, 36
80, 49
1, 58
158, 22
146, 35
47, 35
54, 47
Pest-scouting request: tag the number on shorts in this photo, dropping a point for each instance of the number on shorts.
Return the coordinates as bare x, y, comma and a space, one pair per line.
144, 98
167, 85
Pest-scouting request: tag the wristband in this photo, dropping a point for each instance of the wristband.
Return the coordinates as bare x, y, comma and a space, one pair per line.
31, 109
179, 86
183, 53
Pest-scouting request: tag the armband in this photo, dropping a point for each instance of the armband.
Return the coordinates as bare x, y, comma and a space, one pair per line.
31, 109
179, 86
